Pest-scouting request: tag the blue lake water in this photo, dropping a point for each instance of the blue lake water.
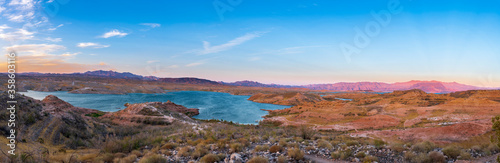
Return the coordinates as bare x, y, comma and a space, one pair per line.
212, 105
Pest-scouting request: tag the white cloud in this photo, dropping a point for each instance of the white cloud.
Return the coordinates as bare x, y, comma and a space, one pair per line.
3, 27
194, 64
67, 54
153, 61
53, 39
21, 10
152, 25
1, 9
19, 34
113, 33
91, 45
254, 59
35, 49
207, 49
173, 66
53, 29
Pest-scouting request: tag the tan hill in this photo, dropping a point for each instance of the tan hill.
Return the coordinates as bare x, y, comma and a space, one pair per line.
291, 98
412, 110
154, 113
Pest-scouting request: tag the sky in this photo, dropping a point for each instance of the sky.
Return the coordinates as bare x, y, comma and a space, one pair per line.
280, 41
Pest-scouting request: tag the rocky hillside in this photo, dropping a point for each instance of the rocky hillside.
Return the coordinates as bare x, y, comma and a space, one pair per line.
52, 121
154, 113
291, 98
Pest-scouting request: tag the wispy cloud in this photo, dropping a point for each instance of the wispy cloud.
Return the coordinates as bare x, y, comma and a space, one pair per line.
113, 33
53, 39
21, 10
18, 34
36, 49
53, 29
91, 45
67, 54
173, 66
208, 49
194, 64
289, 50
153, 61
152, 25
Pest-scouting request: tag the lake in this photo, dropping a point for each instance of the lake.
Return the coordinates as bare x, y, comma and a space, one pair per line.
212, 105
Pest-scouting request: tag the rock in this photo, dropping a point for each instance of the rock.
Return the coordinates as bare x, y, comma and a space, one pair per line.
234, 158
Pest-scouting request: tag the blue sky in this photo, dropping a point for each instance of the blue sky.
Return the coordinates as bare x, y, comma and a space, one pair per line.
286, 42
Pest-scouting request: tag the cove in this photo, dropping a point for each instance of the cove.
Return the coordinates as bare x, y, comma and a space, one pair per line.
212, 105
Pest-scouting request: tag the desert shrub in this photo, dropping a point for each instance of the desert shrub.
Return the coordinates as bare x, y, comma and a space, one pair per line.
370, 158
436, 157
261, 148
397, 147
199, 152
136, 153
106, 157
244, 142
87, 157
281, 159
410, 156
378, 143
258, 159
155, 158
324, 144
490, 149
421, 158
306, 132
210, 158
423, 147
451, 151
129, 159
344, 155
298, 139
464, 156
295, 154
283, 143
360, 155
335, 155
275, 149
308, 148
236, 147
169, 145
183, 152
351, 143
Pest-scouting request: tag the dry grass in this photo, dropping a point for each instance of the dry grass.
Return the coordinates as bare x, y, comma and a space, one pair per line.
258, 159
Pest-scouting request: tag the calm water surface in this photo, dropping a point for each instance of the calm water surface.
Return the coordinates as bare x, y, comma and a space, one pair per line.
212, 105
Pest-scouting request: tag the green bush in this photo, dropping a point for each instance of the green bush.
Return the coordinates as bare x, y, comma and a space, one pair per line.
423, 147
324, 144
451, 151
335, 155
378, 143
465, 156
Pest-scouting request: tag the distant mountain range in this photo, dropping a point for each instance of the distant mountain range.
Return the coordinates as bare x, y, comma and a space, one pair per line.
427, 86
